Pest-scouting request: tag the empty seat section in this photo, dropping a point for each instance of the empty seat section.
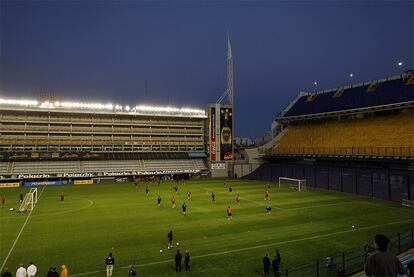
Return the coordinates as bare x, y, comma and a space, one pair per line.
380, 136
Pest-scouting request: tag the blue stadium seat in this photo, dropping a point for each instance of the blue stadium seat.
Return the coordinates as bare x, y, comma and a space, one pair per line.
388, 92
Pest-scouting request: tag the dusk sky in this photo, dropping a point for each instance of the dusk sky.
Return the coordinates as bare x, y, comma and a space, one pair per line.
106, 51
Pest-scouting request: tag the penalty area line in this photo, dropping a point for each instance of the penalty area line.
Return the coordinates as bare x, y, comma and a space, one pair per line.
20, 233
255, 247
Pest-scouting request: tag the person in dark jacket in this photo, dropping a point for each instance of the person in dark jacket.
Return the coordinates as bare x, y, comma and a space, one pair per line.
178, 259
276, 264
52, 272
6, 273
266, 266
381, 262
187, 260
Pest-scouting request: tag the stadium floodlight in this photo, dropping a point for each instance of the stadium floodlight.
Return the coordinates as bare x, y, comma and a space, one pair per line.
400, 63
99, 106
351, 75
315, 83
157, 109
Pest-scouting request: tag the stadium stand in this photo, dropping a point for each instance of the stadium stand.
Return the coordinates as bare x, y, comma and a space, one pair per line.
357, 139
389, 135
371, 119
68, 138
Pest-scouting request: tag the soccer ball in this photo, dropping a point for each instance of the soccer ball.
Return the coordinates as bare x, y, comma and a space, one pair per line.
11, 209
178, 244
168, 247
353, 226
160, 250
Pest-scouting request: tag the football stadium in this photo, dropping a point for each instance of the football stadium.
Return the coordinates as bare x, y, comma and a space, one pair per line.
104, 189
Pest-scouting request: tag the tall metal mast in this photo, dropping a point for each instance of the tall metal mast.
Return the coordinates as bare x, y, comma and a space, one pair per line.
229, 90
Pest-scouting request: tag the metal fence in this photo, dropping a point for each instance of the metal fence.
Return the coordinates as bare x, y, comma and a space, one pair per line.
351, 261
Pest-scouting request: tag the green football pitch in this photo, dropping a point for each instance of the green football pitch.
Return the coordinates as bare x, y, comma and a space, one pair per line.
120, 218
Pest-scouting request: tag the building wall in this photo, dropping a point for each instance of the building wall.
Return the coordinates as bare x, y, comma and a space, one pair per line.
388, 184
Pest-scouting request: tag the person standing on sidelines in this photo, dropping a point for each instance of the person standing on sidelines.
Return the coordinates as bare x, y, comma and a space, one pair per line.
110, 262
266, 266
3, 200
21, 197
64, 271
31, 270
382, 262
276, 264
21, 271
187, 260
178, 259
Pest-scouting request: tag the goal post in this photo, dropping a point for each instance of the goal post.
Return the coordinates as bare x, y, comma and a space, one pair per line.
300, 184
29, 201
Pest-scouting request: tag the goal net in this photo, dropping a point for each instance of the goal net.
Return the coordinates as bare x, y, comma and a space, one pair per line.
299, 184
29, 201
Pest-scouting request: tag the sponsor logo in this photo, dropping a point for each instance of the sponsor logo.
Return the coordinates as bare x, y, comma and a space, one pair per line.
30, 176
228, 156
43, 183
83, 182
71, 175
9, 185
119, 173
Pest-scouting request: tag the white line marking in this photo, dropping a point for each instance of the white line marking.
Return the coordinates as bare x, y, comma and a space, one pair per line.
255, 247
59, 213
21, 231
264, 204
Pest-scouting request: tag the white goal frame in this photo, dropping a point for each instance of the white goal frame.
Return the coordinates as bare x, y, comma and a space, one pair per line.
29, 201
301, 183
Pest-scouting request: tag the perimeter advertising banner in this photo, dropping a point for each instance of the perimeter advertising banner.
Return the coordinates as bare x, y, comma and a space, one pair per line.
226, 133
42, 183
9, 185
213, 142
83, 182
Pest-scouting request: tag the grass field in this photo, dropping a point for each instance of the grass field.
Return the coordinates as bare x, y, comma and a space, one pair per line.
119, 218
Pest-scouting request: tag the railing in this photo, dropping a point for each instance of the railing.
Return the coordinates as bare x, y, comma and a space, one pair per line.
351, 261
386, 151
